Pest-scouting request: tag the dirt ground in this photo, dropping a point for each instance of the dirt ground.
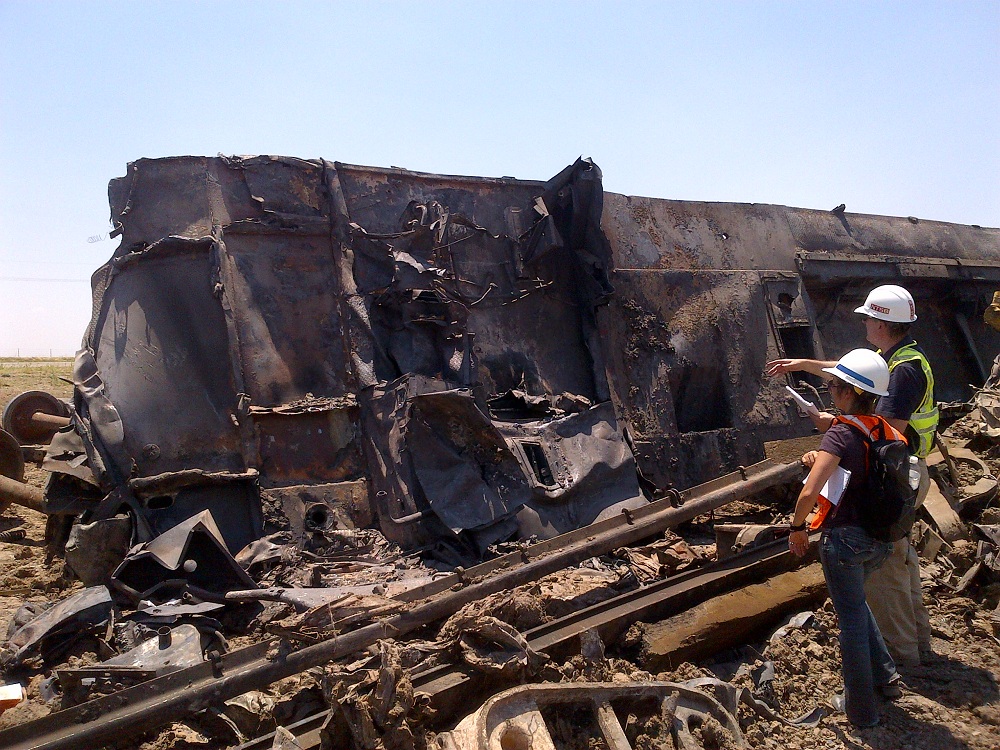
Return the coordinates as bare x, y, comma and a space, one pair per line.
952, 701
24, 574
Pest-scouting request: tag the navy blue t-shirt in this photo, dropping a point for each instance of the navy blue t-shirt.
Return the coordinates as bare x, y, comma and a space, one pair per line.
846, 443
907, 384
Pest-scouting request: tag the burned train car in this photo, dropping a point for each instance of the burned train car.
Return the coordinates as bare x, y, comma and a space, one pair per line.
707, 293
463, 358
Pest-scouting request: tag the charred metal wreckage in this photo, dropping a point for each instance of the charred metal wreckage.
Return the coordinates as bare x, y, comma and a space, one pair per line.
305, 346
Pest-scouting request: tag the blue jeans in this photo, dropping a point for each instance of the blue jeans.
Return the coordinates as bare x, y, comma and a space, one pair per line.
848, 556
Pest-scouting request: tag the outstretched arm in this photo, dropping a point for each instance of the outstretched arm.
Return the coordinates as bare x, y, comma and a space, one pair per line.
776, 367
813, 366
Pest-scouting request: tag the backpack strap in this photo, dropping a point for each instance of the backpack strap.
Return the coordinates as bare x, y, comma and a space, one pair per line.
879, 429
867, 433
857, 424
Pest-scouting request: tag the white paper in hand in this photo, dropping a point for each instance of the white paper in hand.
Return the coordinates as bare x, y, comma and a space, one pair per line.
834, 488
808, 406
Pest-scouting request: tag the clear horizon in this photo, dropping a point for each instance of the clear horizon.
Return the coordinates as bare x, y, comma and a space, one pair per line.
891, 108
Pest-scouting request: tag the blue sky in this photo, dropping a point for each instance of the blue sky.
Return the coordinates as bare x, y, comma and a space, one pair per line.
891, 108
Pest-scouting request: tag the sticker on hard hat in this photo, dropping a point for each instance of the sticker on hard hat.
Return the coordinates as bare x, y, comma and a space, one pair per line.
879, 308
856, 375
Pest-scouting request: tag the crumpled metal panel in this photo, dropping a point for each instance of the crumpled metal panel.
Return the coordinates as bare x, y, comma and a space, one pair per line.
688, 353
193, 550
157, 345
451, 467
82, 613
579, 467
441, 288
466, 470
438, 466
300, 281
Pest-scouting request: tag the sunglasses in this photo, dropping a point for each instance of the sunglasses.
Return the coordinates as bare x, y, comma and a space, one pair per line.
839, 385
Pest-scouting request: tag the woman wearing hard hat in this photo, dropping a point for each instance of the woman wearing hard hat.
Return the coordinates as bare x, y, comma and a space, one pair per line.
848, 553
909, 406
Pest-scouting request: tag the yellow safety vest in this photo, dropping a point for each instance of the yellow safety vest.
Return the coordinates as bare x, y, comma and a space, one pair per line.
924, 420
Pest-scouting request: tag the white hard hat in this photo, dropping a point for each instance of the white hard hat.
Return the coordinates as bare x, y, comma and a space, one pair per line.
891, 303
863, 368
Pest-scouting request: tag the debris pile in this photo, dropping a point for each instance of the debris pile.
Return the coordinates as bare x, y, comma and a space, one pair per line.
157, 614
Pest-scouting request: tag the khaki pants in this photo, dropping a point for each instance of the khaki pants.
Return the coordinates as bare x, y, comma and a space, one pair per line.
895, 597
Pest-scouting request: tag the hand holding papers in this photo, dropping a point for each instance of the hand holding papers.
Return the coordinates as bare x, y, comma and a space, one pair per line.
834, 488
829, 496
808, 406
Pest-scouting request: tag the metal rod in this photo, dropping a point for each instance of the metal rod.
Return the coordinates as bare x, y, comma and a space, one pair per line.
19, 493
952, 470
144, 707
51, 421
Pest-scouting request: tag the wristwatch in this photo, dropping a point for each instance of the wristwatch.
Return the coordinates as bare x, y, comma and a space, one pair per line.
800, 527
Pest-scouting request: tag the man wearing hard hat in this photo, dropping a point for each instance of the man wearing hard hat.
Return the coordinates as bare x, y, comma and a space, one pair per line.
894, 593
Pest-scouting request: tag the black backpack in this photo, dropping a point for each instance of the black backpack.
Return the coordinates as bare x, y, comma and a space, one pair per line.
888, 508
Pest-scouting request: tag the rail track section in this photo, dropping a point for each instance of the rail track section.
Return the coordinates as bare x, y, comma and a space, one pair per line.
455, 690
169, 698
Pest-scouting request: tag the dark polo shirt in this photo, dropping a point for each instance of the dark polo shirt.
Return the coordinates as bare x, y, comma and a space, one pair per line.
906, 390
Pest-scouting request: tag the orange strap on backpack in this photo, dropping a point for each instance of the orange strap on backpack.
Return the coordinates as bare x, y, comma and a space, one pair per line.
867, 424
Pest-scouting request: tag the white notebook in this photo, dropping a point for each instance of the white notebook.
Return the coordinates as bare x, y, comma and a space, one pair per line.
834, 488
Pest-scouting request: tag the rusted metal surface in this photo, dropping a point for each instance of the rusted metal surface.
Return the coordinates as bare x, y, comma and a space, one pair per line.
49, 422
708, 292
19, 493
35, 416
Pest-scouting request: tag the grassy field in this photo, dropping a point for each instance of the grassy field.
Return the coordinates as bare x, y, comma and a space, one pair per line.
20, 375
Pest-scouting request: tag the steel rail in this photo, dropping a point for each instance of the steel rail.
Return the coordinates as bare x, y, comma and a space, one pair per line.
674, 499
452, 688
169, 698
